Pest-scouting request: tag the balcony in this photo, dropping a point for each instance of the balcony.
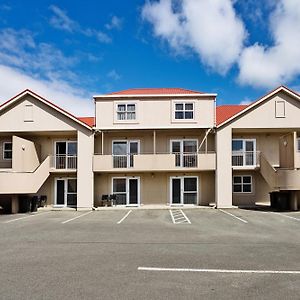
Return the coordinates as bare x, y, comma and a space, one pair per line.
64, 162
245, 159
155, 162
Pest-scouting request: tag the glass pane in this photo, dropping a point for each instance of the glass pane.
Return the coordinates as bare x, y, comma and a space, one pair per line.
121, 107
61, 148
249, 146
189, 146
179, 106
121, 116
237, 188
8, 146
179, 115
119, 185
189, 115
133, 191
190, 184
175, 147
119, 148
72, 148
237, 145
72, 200
190, 198
60, 192
131, 116
8, 154
247, 188
237, 179
131, 107
72, 186
246, 179
249, 157
189, 106
176, 191
133, 147
121, 199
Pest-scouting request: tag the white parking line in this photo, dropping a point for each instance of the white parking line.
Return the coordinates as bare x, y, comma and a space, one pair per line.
119, 222
26, 217
218, 270
179, 217
289, 217
82, 215
232, 215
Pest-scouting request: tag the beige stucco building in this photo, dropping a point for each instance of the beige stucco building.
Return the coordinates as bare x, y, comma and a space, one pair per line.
150, 146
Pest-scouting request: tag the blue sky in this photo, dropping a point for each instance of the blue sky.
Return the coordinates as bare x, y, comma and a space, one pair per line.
69, 50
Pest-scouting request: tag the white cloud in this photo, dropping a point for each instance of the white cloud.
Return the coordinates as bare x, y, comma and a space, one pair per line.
263, 66
60, 20
113, 74
209, 28
13, 81
41, 67
115, 23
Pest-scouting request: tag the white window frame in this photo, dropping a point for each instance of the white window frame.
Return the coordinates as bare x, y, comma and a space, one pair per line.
181, 149
116, 104
127, 178
242, 184
183, 102
128, 149
65, 191
3, 151
243, 151
277, 114
182, 191
28, 112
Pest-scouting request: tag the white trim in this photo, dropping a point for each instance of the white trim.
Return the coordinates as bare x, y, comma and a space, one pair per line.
244, 151
46, 102
279, 89
153, 95
182, 190
126, 121
183, 101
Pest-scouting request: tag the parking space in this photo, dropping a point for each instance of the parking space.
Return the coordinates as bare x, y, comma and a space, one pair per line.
146, 255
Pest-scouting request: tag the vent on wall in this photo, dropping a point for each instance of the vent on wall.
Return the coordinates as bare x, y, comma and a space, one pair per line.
28, 113
280, 109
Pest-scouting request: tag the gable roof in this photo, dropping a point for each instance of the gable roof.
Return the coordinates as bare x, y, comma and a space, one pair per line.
46, 102
155, 91
224, 112
257, 102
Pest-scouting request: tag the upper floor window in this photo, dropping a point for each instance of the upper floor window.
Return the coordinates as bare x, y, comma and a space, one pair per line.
126, 111
7, 150
184, 111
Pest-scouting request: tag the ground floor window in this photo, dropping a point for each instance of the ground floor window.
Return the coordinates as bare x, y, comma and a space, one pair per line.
127, 190
184, 190
242, 184
66, 192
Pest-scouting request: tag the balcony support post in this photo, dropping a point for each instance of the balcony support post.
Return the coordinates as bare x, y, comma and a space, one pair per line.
14, 204
102, 142
154, 141
294, 201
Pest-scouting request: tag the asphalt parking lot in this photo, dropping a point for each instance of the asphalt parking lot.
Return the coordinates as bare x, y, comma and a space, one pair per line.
150, 254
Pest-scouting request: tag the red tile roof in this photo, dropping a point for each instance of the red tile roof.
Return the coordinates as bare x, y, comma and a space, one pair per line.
88, 120
225, 112
155, 91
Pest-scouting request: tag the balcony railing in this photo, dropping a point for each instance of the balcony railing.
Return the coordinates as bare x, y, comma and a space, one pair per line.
64, 162
245, 158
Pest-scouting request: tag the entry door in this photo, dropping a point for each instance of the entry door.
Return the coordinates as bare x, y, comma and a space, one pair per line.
133, 191
127, 190
66, 192
184, 190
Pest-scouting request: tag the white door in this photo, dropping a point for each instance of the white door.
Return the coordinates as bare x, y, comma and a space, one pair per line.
184, 190
127, 190
66, 192
123, 153
185, 153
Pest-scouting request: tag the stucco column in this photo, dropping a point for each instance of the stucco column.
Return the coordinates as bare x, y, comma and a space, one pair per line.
14, 204
294, 201
224, 168
85, 175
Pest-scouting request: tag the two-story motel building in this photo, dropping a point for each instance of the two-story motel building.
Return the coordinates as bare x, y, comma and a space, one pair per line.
164, 146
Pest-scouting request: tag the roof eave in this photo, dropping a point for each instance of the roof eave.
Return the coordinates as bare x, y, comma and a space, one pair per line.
152, 95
